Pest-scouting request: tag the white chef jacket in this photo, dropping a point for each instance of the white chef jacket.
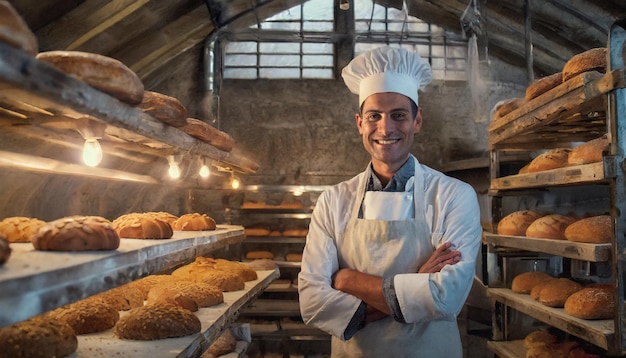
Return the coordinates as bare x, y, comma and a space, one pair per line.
452, 215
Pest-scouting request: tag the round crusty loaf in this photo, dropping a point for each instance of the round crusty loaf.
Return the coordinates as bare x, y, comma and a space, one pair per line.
165, 108
557, 291
505, 107
516, 223
594, 59
591, 303
589, 152
224, 280
552, 159
538, 338
194, 222
38, 337
142, 226
550, 227
14, 30
203, 294
101, 72
224, 344
543, 85
144, 284
536, 290
245, 272
77, 233
596, 230
86, 316
20, 228
123, 298
5, 249
157, 322
524, 282
162, 215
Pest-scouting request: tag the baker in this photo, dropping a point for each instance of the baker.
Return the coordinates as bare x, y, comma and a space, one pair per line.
390, 254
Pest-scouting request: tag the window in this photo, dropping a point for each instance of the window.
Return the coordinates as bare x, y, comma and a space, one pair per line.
299, 42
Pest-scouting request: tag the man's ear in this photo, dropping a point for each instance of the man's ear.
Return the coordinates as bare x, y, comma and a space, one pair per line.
417, 123
359, 122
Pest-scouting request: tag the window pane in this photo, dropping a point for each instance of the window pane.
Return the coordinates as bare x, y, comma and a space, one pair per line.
280, 60
241, 47
240, 60
310, 47
318, 10
317, 61
279, 72
317, 73
243, 73
318, 26
284, 47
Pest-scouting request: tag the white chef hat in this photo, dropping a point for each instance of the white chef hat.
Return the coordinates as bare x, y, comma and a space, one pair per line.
387, 69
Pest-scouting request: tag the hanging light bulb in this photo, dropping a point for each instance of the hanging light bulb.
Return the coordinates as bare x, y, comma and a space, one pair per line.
92, 152
344, 4
234, 181
174, 169
204, 170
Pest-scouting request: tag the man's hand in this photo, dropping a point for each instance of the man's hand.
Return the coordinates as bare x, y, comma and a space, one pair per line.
440, 258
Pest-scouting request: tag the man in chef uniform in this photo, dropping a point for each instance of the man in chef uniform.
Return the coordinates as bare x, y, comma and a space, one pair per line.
390, 255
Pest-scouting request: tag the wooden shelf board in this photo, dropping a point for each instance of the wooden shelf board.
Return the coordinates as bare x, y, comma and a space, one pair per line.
574, 250
508, 349
598, 332
579, 174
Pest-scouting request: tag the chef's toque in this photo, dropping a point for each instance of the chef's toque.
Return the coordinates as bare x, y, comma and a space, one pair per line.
387, 69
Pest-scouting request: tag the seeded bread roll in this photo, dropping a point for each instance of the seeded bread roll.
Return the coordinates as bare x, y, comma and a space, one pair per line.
5, 250
142, 226
20, 228
14, 30
589, 152
594, 59
224, 280
543, 85
556, 293
524, 282
550, 227
157, 322
101, 72
76, 233
516, 223
86, 316
144, 284
38, 337
165, 108
194, 222
591, 303
203, 294
595, 230
553, 159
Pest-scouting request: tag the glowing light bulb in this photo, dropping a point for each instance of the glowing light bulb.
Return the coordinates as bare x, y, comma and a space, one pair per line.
92, 152
299, 191
344, 5
174, 170
204, 171
234, 183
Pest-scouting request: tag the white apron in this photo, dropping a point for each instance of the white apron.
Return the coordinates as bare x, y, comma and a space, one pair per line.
385, 248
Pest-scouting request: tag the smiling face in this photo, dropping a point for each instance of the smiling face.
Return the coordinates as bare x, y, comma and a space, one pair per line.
387, 126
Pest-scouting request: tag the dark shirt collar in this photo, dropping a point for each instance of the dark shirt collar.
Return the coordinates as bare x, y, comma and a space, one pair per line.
397, 182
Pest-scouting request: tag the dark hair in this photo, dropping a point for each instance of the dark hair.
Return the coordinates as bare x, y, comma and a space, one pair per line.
413, 108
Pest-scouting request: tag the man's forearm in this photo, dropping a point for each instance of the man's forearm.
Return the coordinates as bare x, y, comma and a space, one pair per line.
368, 288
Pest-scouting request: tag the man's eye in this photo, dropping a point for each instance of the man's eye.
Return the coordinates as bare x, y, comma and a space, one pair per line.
398, 116
372, 117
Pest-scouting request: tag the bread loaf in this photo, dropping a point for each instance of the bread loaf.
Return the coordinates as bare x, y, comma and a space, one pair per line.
543, 85
101, 72
20, 228
163, 216
595, 230
224, 280
203, 294
144, 284
5, 250
209, 134
164, 108
516, 223
552, 159
556, 293
525, 282
296, 232
253, 255
123, 298
294, 257
39, 336
157, 322
589, 152
550, 227
262, 264
591, 303
224, 344
505, 107
194, 222
552, 350
536, 290
256, 230
142, 226
76, 233
538, 338
239, 268
594, 59
14, 30
86, 316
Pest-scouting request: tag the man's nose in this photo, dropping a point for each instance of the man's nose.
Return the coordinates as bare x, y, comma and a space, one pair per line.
385, 124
